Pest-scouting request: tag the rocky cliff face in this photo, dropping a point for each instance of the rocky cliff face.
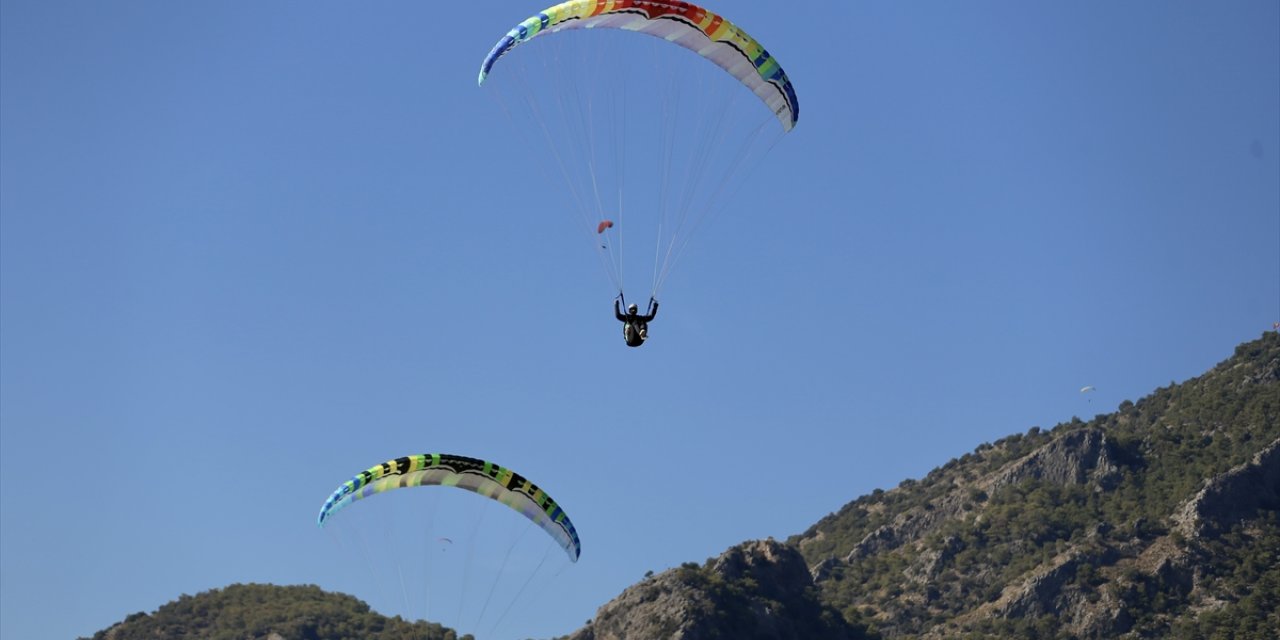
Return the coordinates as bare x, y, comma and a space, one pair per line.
759, 589
1077, 457
1234, 496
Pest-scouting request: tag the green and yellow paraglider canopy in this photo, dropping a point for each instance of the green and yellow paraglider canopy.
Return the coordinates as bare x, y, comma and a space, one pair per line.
478, 476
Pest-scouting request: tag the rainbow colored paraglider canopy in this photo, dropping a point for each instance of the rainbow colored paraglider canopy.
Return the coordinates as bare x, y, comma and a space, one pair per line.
683, 23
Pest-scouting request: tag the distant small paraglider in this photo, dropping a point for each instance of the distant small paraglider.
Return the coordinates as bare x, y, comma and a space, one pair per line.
600, 229
1087, 390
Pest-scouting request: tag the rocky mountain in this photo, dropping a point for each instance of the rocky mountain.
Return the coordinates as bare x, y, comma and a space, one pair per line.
756, 590
1158, 520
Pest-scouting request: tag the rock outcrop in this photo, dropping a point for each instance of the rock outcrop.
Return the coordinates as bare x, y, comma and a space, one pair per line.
759, 589
1076, 458
1234, 496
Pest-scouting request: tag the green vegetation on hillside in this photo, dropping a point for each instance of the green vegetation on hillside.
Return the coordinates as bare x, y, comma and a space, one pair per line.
971, 552
267, 612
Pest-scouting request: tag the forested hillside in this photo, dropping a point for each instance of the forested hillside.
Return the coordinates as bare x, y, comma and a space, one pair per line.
268, 612
1157, 520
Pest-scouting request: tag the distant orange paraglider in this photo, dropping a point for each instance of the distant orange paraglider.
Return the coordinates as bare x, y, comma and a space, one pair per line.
604, 224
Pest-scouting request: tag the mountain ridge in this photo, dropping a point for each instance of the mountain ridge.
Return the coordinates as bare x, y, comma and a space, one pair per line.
1156, 520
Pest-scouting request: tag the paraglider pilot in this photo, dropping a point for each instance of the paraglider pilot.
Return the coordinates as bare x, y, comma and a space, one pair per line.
635, 327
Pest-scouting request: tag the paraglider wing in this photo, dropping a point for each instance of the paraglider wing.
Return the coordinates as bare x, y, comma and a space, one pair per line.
478, 476
1086, 389
682, 23
604, 224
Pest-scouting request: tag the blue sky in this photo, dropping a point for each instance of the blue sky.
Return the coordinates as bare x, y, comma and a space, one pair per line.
247, 250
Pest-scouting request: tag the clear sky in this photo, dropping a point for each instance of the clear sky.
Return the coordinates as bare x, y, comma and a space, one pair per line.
248, 249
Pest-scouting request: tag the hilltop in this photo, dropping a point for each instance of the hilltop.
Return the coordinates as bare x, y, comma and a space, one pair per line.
269, 612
